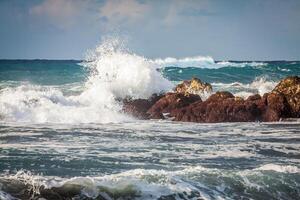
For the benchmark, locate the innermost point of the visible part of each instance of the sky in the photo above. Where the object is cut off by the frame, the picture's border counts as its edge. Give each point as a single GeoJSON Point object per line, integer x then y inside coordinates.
{"type": "Point", "coordinates": [222, 29]}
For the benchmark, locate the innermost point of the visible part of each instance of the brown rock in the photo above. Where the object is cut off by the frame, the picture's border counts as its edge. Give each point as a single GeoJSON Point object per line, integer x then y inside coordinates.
{"type": "Point", "coordinates": [139, 107]}
{"type": "Point", "coordinates": [282, 102]}
{"type": "Point", "coordinates": [193, 86]}
{"type": "Point", "coordinates": [220, 96]}
{"type": "Point", "coordinates": [260, 102]}
{"type": "Point", "coordinates": [171, 101]}
{"type": "Point", "coordinates": [254, 97]}
{"type": "Point", "coordinates": [219, 107]}
{"type": "Point", "coordinates": [277, 107]}
{"type": "Point", "coordinates": [290, 89]}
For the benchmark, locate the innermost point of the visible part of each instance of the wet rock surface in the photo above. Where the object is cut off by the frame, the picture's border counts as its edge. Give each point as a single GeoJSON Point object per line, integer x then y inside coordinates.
{"type": "Point", "coordinates": [193, 86]}
{"type": "Point", "coordinates": [170, 102]}
{"type": "Point", "coordinates": [139, 107]}
{"type": "Point", "coordinates": [290, 89]}
{"type": "Point", "coordinates": [182, 105]}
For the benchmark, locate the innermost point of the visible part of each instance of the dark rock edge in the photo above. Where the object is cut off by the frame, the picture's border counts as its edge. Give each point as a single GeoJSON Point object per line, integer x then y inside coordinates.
{"type": "Point", "coordinates": [282, 102]}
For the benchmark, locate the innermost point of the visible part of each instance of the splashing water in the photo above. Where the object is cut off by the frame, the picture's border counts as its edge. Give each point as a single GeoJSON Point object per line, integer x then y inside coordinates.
{"type": "Point", "coordinates": [114, 74]}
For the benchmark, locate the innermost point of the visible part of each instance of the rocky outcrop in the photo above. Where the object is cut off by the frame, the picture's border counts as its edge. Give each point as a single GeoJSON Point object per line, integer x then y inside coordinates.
{"type": "Point", "coordinates": [282, 102]}
{"type": "Point", "coordinates": [171, 101]}
{"type": "Point", "coordinates": [139, 107]}
{"type": "Point", "coordinates": [290, 89]}
{"type": "Point", "coordinates": [193, 86]}
{"type": "Point", "coordinates": [276, 107]}
{"type": "Point", "coordinates": [220, 107]}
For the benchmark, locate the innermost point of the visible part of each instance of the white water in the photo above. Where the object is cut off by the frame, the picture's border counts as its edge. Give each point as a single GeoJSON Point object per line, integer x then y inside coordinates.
{"type": "Point", "coordinates": [260, 85]}
{"type": "Point", "coordinates": [202, 62]}
{"type": "Point", "coordinates": [152, 184]}
{"type": "Point", "coordinates": [115, 74]}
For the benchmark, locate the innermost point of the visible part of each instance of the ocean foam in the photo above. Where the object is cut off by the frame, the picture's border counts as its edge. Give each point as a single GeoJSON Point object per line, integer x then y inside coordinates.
{"type": "Point", "coordinates": [259, 85]}
{"type": "Point", "coordinates": [207, 183]}
{"type": "Point", "coordinates": [115, 74]}
{"type": "Point", "coordinates": [202, 62]}
{"type": "Point", "coordinates": [279, 168]}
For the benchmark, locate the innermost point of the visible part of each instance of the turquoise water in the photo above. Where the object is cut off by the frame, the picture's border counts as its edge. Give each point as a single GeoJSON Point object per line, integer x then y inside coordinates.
{"type": "Point", "coordinates": [61, 127]}
{"type": "Point", "coordinates": [52, 72]}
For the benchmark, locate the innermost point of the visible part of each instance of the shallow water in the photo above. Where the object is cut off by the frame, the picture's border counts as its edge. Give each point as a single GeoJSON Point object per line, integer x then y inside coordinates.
{"type": "Point", "coordinates": [155, 159]}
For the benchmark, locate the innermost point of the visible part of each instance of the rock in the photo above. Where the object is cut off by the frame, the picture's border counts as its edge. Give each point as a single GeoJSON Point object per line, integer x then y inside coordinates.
{"type": "Point", "coordinates": [290, 89]}
{"type": "Point", "coordinates": [139, 107]}
{"type": "Point", "coordinates": [171, 101]}
{"type": "Point", "coordinates": [219, 107]}
{"type": "Point", "coordinates": [277, 107]}
{"type": "Point", "coordinates": [193, 86]}
{"type": "Point", "coordinates": [186, 105]}
{"type": "Point", "coordinates": [220, 96]}
{"type": "Point", "coordinates": [254, 97]}
{"type": "Point", "coordinates": [259, 101]}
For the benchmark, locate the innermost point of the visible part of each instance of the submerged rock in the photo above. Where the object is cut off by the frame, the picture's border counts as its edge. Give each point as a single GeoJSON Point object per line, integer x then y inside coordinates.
{"type": "Point", "coordinates": [193, 86]}
{"type": "Point", "coordinates": [18, 189]}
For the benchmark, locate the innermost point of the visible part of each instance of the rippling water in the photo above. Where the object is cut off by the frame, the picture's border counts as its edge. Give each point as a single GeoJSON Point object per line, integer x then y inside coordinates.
{"type": "Point", "coordinates": [156, 159]}
{"type": "Point", "coordinates": [63, 134]}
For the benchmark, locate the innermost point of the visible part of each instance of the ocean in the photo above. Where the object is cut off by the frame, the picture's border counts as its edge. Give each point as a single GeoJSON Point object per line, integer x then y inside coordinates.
{"type": "Point", "coordinates": [63, 135]}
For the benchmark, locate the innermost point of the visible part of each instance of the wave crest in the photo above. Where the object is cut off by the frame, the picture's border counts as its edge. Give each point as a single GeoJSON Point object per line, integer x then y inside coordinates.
{"type": "Point", "coordinates": [188, 183]}
{"type": "Point", "coordinates": [114, 74]}
{"type": "Point", "coordinates": [202, 62]}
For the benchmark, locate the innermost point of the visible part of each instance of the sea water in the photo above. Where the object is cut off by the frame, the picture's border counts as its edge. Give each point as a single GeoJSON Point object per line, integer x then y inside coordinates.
{"type": "Point", "coordinates": [61, 126]}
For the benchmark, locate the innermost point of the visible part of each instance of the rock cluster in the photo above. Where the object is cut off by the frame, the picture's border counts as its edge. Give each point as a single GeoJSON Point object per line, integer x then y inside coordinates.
{"type": "Point", "coordinates": [185, 104]}
{"type": "Point", "coordinates": [194, 86]}
{"type": "Point", "coordinates": [290, 89]}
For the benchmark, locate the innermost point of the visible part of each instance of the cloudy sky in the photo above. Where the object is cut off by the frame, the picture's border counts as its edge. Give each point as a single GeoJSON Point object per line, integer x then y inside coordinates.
{"type": "Point", "coordinates": [223, 29]}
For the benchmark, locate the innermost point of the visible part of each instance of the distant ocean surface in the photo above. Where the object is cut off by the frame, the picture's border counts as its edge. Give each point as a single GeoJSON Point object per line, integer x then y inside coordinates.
{"type": "Point", "coordinates": [61, 127]}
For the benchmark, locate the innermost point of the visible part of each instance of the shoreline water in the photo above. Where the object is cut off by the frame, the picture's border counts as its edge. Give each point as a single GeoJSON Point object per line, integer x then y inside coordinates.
{"type": "Point", "coordinates": [62, 124]}
{"type": "Point", "coordinates": [150, 159]}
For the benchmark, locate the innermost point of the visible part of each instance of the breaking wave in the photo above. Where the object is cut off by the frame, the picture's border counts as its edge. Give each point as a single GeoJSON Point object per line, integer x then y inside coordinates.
{"type": "Point", "coordinates": [189, 183]}
{"type": "Point", "coordinates": [114, 73]}
{"type": "Point", "coordinates": [260, 85]}
{"type": "Point", "coordinates": [202, 62]}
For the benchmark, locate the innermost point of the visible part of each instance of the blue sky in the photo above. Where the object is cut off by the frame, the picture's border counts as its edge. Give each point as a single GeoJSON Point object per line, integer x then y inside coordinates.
{"type": "Point", "coordinates": [223, 29]}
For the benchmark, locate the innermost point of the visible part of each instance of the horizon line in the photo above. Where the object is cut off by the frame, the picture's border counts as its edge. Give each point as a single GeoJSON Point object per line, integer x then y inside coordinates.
{"type": "Point", "coordinates": [72, 59]}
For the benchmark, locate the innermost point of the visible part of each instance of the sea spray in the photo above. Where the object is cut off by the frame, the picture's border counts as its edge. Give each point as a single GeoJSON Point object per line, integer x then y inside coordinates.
{"type": "Point", "coordinates": [123, 73]}
{"type": "Point", "coordinates": [114, 74]}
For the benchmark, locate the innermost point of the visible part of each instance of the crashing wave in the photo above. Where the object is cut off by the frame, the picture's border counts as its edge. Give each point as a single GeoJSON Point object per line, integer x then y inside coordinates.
{"type": "Point", "coordinates": [189, 183]}
{"type": "Point", "coordinates": [202, 62]}
{"type": "Point", "coordinates": [114, 74]}
{"type": "Point", "coordinates": [280, 168]}
{"type": "Point", "coordinates": [259, 85]}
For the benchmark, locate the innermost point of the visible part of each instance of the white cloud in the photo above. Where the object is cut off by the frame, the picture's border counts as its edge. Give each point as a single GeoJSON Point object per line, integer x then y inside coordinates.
{"type": "Point", "coordinates": [66, 13]}
{"type": "Point", "coordinates": [62, 13]}
{"type": "Point", "coordinates": [116, 11]}
{"type": "Point", "coordinates": [176, 9]}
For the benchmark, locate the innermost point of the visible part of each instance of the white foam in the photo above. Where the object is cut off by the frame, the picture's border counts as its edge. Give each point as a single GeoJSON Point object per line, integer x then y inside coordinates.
{"type": "Point", "coordinates": [153, 184]}
{"type": "Point", "coordinates": [202, 62]}
{"type": "Point", "coordinates": [260, 85]}
{"type": "Point", "coordinates": [115, 74]}
{"type": "Point", "coordinates": [123, 73]}
{"type": "Point", "coordinates": [148, 184]}
{"type": "Point", "coordinates": [279, 168]}
{"type": "Point", "coordinates": [198, 61]}
{"type": "Point", "coordinates": [241, 64]}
